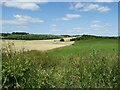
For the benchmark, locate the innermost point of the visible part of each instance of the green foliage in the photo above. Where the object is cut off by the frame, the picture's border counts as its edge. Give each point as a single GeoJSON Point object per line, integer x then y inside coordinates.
{"type": "Point", "coordinates": [31, 37]}
{"type": "Point", "coordinates": [86, 64]}
{"type": "Point", "coordinates": [62, 40]}
{"type": "Point", "coordinates": [87, 37]}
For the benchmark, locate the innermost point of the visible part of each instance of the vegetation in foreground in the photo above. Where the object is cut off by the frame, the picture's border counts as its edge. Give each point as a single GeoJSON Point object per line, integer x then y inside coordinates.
{"type": "Point", "coordinates": [91, 63]}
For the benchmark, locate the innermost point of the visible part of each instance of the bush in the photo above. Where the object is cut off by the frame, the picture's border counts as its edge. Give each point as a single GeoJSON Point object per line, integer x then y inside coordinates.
{"type": "Point", "coordinates": [36, 69]}
{"type": "Point", "coordinates": [62, 40]}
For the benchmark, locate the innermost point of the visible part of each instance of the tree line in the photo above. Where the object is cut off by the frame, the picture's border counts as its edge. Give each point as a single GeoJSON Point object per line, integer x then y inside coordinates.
{"type": "Point", "coordinates": [27, 36]}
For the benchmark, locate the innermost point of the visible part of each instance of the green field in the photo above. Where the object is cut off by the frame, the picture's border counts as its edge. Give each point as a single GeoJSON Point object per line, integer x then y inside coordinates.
{"type": "Point", "coordinates": [90, 63]}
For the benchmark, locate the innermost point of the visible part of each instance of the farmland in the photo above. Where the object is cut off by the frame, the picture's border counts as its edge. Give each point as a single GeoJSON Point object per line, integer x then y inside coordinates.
{"type": "Point", "coordinates": [84, 64]}
{"type": "Point", "coordinates": [41, 45]}
{"type": "Point", "coordinates": [70, 44]}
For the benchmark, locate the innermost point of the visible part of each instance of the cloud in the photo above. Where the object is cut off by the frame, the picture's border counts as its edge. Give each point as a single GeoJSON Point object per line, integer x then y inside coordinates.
{"type": "Point", "coordinates": [55, 30]}
{"type": "Point", "coordinates": [98, 25]}
{"type": "Point", "coordinates": [89, 7]}
{"type": "Point", "coordinates": [20, 5]}
{"type": "Point", "coordinates": [24, 0]}
{"type": "Point", "coordinates": [104, 9]}
{"type": "Point", "coordinates": [71, 16]}
{"type": "Point", "coordinates": [22, 20]}
{"type": "Point", "coordinates": [95, 27]}
{"type": "Point", "coordinates": [103, 0]}
{"type": "Point", "coordinates": [53, 25]}
{"type": "Point", "coordinates": [95, 21]}
{"type": "Point", "coordinates": [24, 4]}
{"type": "Point", "coordinates": [34, 5]}
{"type": "Point", "coordinates": [101, 28]}
{"type": "Point", "coordinates": [78, 28]}
{"type": "Point", "coordinates": [62, 0]}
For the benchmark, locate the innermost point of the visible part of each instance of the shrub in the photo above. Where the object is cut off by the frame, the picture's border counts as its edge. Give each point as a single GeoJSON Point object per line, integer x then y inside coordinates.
{"type": "Point", "coordinates": [62, 40]}
{"type": "Point", "coordinates": [36, 69]}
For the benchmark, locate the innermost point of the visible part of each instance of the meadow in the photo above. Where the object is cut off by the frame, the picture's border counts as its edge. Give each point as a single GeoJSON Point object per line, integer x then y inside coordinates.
{"type": "Point", "coordinates": [88, 63]}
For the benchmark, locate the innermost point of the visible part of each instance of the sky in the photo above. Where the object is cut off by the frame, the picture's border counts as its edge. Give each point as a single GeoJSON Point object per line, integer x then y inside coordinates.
{"type": "Point", "coordinates": [73, 18]}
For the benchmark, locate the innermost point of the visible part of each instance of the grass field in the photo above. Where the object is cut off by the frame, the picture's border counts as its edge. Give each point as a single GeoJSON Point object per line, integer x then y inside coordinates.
{"type": "Point", "coordinates": [91, 63]}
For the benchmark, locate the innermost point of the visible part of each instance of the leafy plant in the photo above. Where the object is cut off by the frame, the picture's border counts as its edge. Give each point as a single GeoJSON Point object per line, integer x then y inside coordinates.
{"type": "Point", "coordinates": [86, 64]}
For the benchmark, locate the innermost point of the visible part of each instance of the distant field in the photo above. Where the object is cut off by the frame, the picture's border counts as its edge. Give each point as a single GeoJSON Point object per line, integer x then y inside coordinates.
{"type": "Point", "coordinates": [89, 63]}
{"type": "Point", "coordinates": [41, 45]}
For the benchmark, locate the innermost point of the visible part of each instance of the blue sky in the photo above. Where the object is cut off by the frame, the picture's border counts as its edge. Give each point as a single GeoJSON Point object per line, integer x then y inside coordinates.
{"type": "Point", "coordinates": [61, 18]}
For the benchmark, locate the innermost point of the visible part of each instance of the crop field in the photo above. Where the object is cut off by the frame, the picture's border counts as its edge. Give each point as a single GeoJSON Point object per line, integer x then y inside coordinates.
{"type": "Point", "coordinates": [41, 45]}
{"type": "Point", "coordinates": [90, 63]}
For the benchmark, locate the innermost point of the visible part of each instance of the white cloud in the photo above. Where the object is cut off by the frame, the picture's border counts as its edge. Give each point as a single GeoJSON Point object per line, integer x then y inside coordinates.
{"type": "Point", "coordinates": [62, 0]}
{"type": "Point", "coordinates": [55, 30]}
{"type": "Point", "coordinates": [100, 26]}
{"type": "Point", "coordinates": [24, 0]}
{"type": "Point", "coordinates": [104, 9]}
{"type": "Point", "coordinates": [103, 0]}
{"type": "Point", "coordinates": [34, 5]}
{"type": "Point", "coordinates": [71, 16]}
{"type": "Point", "coordinates": [89, 7]}
{"type": "Point", "coordinates": [95, 27]}
{"type": "Point", "coordinates": [53, 25]}
{"type": "Point", "coordinates": [22, 20]}
{"type": "Point", "coordinates": [95, 21]}
{"type": "Point", "coordinates": [21, 5]}
{"type": "Point", "coordinates": [24, 4]}
{"type": "Point", "coordinates": [78, 28]}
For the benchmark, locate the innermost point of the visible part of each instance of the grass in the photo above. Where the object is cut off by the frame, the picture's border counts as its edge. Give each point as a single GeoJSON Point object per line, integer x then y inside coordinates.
{"type": "Point", "coordinates": [86, 64]}
{"type": "Point", "coordinates": [87, 46]}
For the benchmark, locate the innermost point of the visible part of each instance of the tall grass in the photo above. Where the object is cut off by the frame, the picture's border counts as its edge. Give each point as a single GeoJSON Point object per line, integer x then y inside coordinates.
{"type": "Point", "coordinates": [36, 69]}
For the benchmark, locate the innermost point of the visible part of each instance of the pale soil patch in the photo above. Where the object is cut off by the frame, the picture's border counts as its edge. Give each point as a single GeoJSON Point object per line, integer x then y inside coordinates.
{"type": "Point", "coordinates": [42, 45]}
